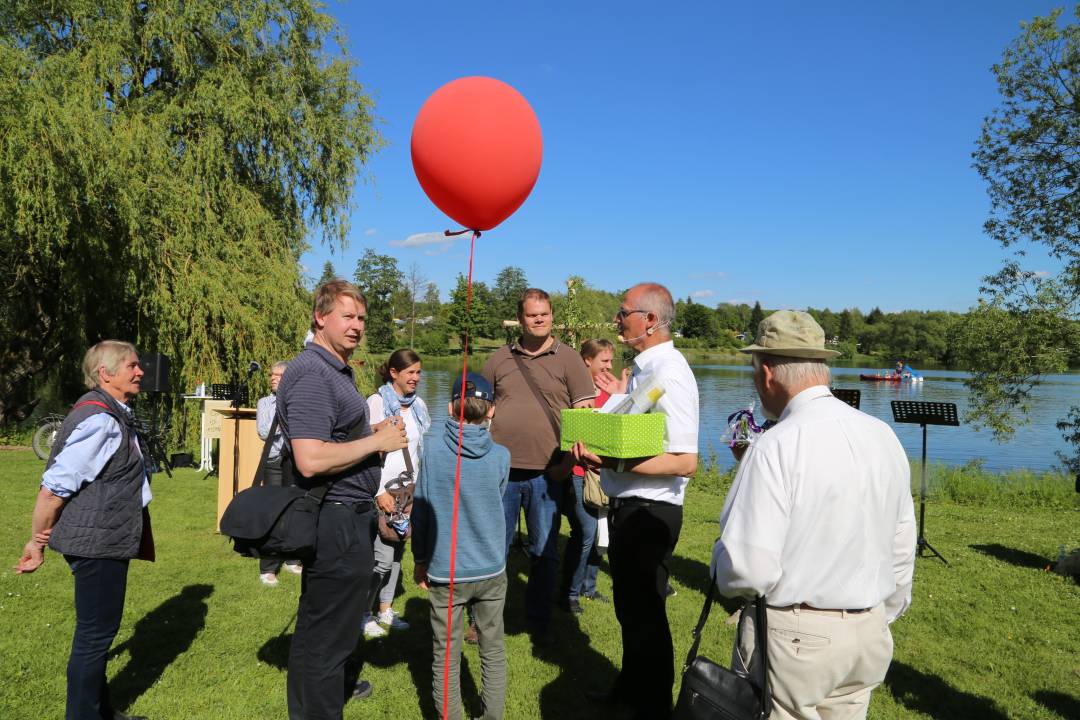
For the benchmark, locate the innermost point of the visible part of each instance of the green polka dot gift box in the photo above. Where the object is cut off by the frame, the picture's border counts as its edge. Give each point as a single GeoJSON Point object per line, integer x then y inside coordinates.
{"type": "Point", "coordinates": [610, 435]}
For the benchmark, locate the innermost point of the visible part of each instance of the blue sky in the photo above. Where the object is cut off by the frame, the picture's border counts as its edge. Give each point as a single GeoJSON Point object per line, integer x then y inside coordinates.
{"type": "Point", "coordinates": [799, 154]}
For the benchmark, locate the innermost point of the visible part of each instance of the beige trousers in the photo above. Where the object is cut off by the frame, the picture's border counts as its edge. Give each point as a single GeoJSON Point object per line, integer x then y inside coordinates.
{"type": "Point", "coordinates": [823, 665]}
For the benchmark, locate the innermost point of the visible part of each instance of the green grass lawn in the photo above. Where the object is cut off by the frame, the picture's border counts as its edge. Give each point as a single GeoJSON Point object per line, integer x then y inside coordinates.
{"type": "Point", "coordinates": [993, 635]}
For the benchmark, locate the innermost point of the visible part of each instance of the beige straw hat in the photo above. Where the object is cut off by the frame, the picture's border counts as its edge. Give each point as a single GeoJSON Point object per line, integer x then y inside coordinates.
{"type": "Point", "coordinates": [789, 333]}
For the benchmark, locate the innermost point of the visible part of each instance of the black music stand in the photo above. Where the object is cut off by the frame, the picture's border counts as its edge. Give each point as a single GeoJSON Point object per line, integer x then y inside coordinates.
{"type": "Point", "coordinates": [851, 397]}
{"type": "Point", "coordinates": [925, 413]}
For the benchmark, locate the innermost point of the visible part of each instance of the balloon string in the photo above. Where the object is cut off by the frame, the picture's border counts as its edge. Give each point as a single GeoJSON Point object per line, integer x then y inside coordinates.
{"type": "Point", "coordinates": [457, 479]}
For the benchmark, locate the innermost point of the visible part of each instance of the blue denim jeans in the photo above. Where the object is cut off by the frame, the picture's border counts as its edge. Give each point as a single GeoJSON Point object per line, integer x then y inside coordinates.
{"type": "Point", "coordinates": [541, 499]}
{"type": "Point", "coordinates": [582, 562]}
{"type": "Point", "coordinates": [100, 588]}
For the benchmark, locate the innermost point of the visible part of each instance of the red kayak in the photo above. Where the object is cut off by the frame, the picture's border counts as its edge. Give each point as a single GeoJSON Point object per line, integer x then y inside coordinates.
{"type": "Point", "coordinates": [882, 378]}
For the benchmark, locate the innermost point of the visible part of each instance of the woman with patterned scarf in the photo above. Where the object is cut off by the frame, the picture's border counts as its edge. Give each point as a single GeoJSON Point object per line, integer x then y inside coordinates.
{"type": "Point", "coordinates": [396, 398]}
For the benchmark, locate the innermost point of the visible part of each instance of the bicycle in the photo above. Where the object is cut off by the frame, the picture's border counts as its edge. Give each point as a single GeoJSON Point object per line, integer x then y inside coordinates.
{"type": "Point", "coordinates": [45, 435]}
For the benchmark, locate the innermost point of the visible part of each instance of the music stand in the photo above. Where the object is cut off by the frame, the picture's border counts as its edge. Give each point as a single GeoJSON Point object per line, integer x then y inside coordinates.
{"type": "Point", "coordinates": [851, 397]}
{"type": "Point", "coordinates": [925, 413]}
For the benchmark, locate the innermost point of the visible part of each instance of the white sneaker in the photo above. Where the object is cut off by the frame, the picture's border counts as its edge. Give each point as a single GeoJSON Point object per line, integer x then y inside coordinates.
{"type": "Point", "coordinates": [392, 620]}
{"type": "Point", "coordinates": [268, 579]}
{"type": "Point", "coordinates": [296, 569]}
{"type": "Point", "coordinates": [372, 629]}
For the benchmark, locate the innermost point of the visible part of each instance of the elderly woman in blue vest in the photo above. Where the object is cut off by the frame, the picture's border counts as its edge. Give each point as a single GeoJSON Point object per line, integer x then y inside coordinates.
{"type": "Point", "coordinates": [92, 509]}
{"type": "Point", "coordinates": [396, 397]}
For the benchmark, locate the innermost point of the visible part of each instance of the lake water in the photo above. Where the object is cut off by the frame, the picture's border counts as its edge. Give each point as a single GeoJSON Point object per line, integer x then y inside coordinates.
{"type": "Point", "coordinates": [724, 389]}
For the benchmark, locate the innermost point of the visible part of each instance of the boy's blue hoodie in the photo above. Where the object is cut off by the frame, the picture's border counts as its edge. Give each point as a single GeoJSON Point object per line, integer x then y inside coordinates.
{"type": "Point", "coordinates": [481, 539]}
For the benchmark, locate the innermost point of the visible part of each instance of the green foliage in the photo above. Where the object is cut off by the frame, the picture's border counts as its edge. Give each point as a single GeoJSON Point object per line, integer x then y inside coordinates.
{"type": "Point", "coordinates": [161, 167]}
{"type": "Point", "coordinates": [697, 321]}
{"type": "Point", "coordinates": [510, 283]}
{"type": "Point", "coordinates": [378, 278]}
{"type": "Point", "coordinates": [470, 317]}
{"type": "Point", "coordinates": [1070, 426]}
{"type": "Point", "coordinates": [328, 273]}
{"type": "Point", "coordinates": [756, 316]}
{"type": "Point", "coordinates": [1027, 153]}
{"type": "Point", "coordinates": [1007, 350]}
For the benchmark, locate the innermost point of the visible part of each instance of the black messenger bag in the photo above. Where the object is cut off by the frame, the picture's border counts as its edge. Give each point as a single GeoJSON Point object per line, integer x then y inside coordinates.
{"type": "Point", "coordinates": [712, 692]}
{"type": "Point", "coordinates": [274, 521]}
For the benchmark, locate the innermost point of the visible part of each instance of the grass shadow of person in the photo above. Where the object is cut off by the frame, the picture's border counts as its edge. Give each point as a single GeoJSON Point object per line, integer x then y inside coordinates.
{"type": "Point", "coordinates": [275, 651]}
{"type": "Point", "coordinates": [1020, 558]}
{"type": "Point", "coordinates": [159, 637]}
{"type": "Point", "coordinates": [694, 574]}
{"type": "Point", "coordinates": [1064, 705]}
{"type": "Point", "coordinates": [933, 696]}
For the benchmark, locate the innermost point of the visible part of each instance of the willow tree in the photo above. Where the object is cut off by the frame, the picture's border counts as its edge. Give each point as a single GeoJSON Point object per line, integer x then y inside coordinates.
{"type": "Point", "coordinates": [162, 168]}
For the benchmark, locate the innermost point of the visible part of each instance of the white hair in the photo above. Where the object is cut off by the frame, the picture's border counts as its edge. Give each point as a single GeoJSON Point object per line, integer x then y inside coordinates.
{"type": "Point", "coordinates": [791, 372]}
{"type": "Point", "coordinates": [108, 354]}
{"type": "Point", "coordinates": [656, 299]}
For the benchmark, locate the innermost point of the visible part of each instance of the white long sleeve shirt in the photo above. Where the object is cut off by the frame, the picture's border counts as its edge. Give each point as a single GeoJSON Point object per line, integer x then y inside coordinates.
{"type": "Point", "coordinates": [820, 512]}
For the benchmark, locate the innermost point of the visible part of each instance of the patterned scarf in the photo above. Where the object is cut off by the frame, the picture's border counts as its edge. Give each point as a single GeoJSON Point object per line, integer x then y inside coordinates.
{"type": "Point", "coordinates": [392, 404]}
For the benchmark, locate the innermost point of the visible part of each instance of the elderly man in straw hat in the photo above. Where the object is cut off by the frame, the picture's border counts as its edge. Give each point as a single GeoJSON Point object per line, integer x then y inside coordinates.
{"type": "Point", "coordinates": [821, 523]}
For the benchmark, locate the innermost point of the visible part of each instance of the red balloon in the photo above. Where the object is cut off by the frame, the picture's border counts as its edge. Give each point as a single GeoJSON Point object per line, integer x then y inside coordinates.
{"type": "Point", "coordinates": [476, 150]}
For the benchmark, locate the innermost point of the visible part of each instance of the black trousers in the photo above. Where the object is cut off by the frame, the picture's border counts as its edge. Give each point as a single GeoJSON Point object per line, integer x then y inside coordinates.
{"type": "Point", "coordinates": [643, 537]}
{"type": "Point", "coordinates": [100, 589]}
{"type": "Point", "coordinates": [333, 589]}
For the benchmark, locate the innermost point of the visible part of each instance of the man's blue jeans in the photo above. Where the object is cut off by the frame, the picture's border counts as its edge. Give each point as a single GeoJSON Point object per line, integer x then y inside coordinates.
{"type": "Point", "coordinates": [541, 499]}
{"type": "Point", "coordinates": [582, 562]}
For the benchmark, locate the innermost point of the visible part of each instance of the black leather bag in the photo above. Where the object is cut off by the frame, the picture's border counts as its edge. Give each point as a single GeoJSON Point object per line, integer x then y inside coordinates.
{"type": "Point", "coordinates": [713, 692]}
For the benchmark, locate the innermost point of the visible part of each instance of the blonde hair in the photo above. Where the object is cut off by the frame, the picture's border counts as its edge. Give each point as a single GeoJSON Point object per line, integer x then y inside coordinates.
{"type": "Point", "coordinates": [107, 354]}
{"type": "Point", "coordinates": [327, 294]}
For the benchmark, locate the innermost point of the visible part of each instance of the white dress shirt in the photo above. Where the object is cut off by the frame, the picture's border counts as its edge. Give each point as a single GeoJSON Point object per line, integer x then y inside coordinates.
{"type": "Point", "coordinates": [820, 512]}
{"type": "Point", "coordinates": [665, 366]}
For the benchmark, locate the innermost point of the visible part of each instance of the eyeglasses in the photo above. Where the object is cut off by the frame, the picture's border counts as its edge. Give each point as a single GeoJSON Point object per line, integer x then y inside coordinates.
{"type": "Point", "coordinates": [623, 314]}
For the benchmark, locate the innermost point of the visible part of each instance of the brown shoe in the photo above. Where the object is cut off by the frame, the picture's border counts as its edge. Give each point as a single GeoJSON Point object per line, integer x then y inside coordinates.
{"type": "Point", "coordinates": [470, 634]}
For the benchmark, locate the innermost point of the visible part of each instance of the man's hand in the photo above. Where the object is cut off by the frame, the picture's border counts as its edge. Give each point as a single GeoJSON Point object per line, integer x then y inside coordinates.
{"type": "Point", "coordinates": [586, 459]}
{"type": "Point", "coordinates": [385, 502]}
{"type": "Point", "coordinates": [390, 434]}
{"type": "Point", "coordinates": [33, 556]}
{"type": "Point", "coordinates": [611, 384]}
{"type": "Point", "coordinates": [419, 575]}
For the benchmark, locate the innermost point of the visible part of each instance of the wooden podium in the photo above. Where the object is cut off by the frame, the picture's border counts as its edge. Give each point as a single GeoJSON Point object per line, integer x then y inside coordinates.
{"type": "Point", "coordinates": [251, 446]}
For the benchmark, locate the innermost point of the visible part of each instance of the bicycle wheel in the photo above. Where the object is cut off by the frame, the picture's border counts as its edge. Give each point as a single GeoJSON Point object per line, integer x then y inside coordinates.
{"type": "Point", "coordinates": [44, 437]}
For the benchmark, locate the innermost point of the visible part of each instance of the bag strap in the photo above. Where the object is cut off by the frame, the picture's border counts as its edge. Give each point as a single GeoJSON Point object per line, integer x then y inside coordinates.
{"type": "Point", "coordinates": [761, 642]}
{"type": "Point", "coordinates": [761, 636]}
{"type": "Point", "coordinates": [548, 412]}
{"type": "Point", "coordinates": [701, 624]}
{"type": "Point", "coordinates": [408, 463]}
{"type": "Point", "coordinates": [260, 478]}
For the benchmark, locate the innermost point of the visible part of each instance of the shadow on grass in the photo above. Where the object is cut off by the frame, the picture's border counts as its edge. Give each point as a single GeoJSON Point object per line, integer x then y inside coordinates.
{"type": "Point", "coordinates": [275, 651]}
{"type": "Point", "coordinates": [162, 635]}
{"type": "Point", "coordinates": [1064, 705]}
{"type": "Point", "coordinates": [1020, 558]}
{"type": "Point", "coordinates": [933, 696]}
{"type": "Point", "coordinates": [691, 573]}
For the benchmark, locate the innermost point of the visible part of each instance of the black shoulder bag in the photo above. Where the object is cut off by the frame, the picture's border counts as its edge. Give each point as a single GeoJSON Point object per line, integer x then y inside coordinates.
{"type": "Point", "coordinates": [558, 470]}
{"type": "Point", "coordinates": [273, 520]}
{"type": "Point", "coordinates": [712, 692]}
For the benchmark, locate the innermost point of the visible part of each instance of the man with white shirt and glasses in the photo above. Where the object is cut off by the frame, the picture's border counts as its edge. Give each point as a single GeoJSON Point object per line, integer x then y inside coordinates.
{"type": "Point", "coordinates": [819, 521]}
{"type": "Point", "coordinates": [92, 508]}
{"type": "Point", "coordinates": [645, 515]}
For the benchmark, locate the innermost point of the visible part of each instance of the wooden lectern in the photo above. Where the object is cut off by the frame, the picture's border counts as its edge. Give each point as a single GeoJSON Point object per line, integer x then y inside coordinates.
{"type": "Point", "coordinates": [251, 446]}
